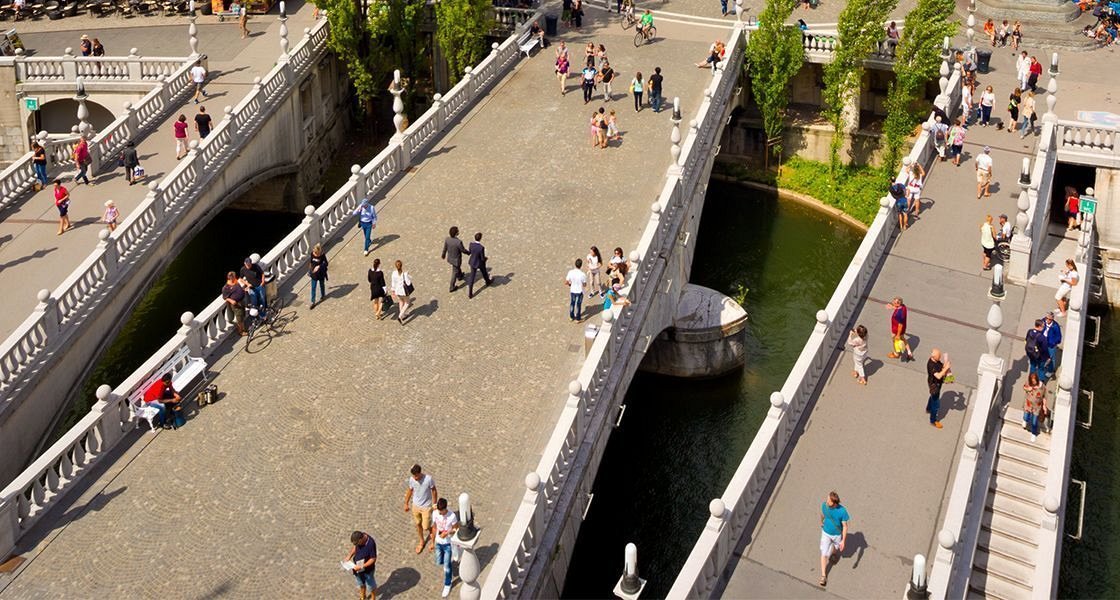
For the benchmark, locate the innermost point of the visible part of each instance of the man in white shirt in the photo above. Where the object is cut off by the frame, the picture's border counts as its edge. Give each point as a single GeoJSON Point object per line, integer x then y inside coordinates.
{"type": "Point", "coordinates": [1004, 229]}
{"type": "Point", "coordinates": [984, 173]}
{"type": "Point", "coordinates": [575, 280]}
{"type": "Point", "coordinates": [444, 523]}
{"type": "Point", "coordinates": [1023, 70]}
{"type": "Point", "coordinates": [198, 76]}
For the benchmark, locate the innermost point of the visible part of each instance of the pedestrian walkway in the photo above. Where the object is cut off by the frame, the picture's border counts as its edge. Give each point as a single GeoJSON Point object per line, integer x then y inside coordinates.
{"type": "Point", "coordinates": [32, 255]}
{"type": "Point", "coordinates": [314, 434]}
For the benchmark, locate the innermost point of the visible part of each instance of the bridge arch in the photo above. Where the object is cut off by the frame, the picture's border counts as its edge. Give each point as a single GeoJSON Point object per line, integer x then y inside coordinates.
{"type": "Point", "coordinates": [59, 116]}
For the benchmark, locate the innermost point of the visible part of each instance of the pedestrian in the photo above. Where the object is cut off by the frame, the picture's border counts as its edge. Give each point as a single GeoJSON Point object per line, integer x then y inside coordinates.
{"type": "Point", "coordinates": [376, 280]}
{"type": "Point", "coordinates": [901, 205]}
{"type": "Point", "coordinates": [1022, 70]}
{"type": "Point", "coordinates": [940, 133]}
{"type": "Point", "coordinates": [82, 159]}
{"type": "Point", "coordinates": [562, 50]}
{"type": "Point", "coordinates": [1003, 234]}
{"type": "Point", "coordinates": [1073, 209]}
{"type": "Point", "coordinates": [987, 101]}
{"type": "Point", "coordinates": [1053, 333]}
{"type": "Point", "coordinates": [62, 203]}
{"type": "Point", "coordinates": [253, 276]}
{"type": "Point", "coordinates": [916, 175]}
{"type": "Point", "coordinates": [111, 216]}
{"type": "Point", "coordinates": [937, 370]}
{"type": "Point", "coordinates": [317, 266]}
{"type": "Point", "coordinates": [444, 523]}
{"type": "Point", "coordinates": [1035, 70]}
{"type": "Point", "coordinates": [984, 173]}
{"type": "Point", "coordinates": [612, 127]}
{"type": "Point", "coordinates": [857, 339]}
{"type": "Point", "coordinates": [589, 54]}
{"type": "Point", "coordinates": [601, 57]}
{"type": "Point", "coordinates": [1037, 350]}
{"type": "Point", "coordinates": [956, 140]}
{"type": "Point", "coordinates": [1026, 115]}
{"type": "Point", "coordinates": [39, 165]}
{"type": "Point", "coordinates": [636, 87]}
{"type": "Point", "coordinates": [566, 12]}
{"type": "Point", "coordinates": [420, 497]}
{"type": "Point", "coordinates": [243, 20]}
{"type": "Point", "coordinates": [367, 220]}
{"type": "Point", "coordinates": [655, 83]}
{"type": "Point", "coordinates": [588, 80]}
{"type": "Point", "coordinates": [614, 296]}
{"type": "Point", "coordinates": [363, 556]}
{"type": "Point", "coordinates": [834, 533]}
{"type": "Point", "coordinates": [594, 266]}
{"type": "Point", "coordinates": [1034, 404]}
{"type": "Point", "coordinates": [1066, 282]}
{"type": "Point", "coordinates": [401, 289]}
{"type": "Point", "coordinates": [577, 13]}
{"type": "Point", "coordinates": [198, 76]}
{"type": "Point", "coordinates": [453, 252]}
{"type": "Point", "coordinates": [202, 123]}
{"type": "Point", "coordinates": [575, 280]}
{"type": "Point", "coordinates": [899, 316]}
{"type": "Point", "coordinates": [1013, 102]}
{"type": "Point", "coordinates": [606, 76]}
{"type": "Point", "coordinates": [180, 127]}
{"type": "Point", "coordinates": [966, 101]}
{"type": "Point", "coordinates": [234, 295]}
{"type": "Point", "coordinates": [601, 134]}
{"type": "Point", "coordinates": [477, 262]}
{"type": "Point", "coordinates": [96, 49]}
{"type": "Point", "coordinates": [85, 45]}
{"type": "Point", "coordinates": [130, 160]}
{"type": "Point", "coordinates": [594, 130]}
{"type": "Point", "coordinates": [562, 70]}
{"type": "Point", "coordinates": [987, 242]}
{"type": "Point", "coordinates": [723, 8]}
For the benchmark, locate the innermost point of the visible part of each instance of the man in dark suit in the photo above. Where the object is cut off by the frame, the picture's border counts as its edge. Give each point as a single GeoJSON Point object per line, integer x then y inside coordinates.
{"type": "Point", "coordinates": [477, 261]}
{"type": "Point", "coordinates": [453, 252]}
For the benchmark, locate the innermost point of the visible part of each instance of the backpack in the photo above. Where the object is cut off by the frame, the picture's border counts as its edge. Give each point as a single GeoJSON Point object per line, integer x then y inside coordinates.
{"type": "Point", "coordinates": [1034, 339]}
{"type": "Point", "coordinates": [897, 191]}
{"type": "Point", "coordinates": [939, 134]}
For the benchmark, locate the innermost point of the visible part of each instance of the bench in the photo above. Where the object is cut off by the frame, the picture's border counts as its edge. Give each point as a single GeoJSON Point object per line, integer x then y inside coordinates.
{"type": "Point", "coordinates": [183, 380]}
{"type": "Point", "coordinates": [526, 41]}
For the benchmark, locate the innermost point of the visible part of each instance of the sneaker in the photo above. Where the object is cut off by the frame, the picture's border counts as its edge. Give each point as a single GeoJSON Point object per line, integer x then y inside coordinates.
{"type": "Point", "coordinates": [937, 424]}
{"type": "Point", "coordinates": [446, 591]}
{"type": "Point", "coordinates": [1034, 438]}
{"type": "Point", "coordinates": [367, 253]}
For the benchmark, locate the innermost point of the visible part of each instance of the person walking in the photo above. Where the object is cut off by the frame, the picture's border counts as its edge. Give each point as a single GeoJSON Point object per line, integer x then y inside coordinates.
{"type": "Point", "coordinates": [940, 137]}
{"type": "Point", "coordinates": [967, 91]}
{"type": "Point", "coordinates": [1034, 404]}
{"type": "Point", "coordinates": [111, 216]}
{"type": "Point", "coordinates": [82, 159]}
{"type": "Point", "coordinates": [987, 102]}
{"type": "Point", "coordinates": [606, 76]}
{"type": "Point", "coordinates": [363, 554]}
{"type": "Point", "coordinates": [453, 252]}
{"type": "Point", "coordinates": [1053, 333]}
{"type": "Point", "coordinates": [577, 13]}
{"type": "Point", "coordinates": [62, 203]}
{"type": "Point", "coordinates": [1035, 71]}
{"type": "Point", "coordinates": [419, 498]}
{"type": "Point", "coordinates": [130, 160]}
{"type": "Point", "coordinates": [901, 205]}
{"type": "Point", "coordinates": [984, 173]}
{"type": "Point", "coordinates": [834, 533]}
{"type": "Point", "coordinates": [233, 293]}
{"type": "Point", "coordinates": [655, 85]}
{"type": "Point", "coordinates": [857, 339]}
{"type": "Point", "coordinates": [180, 127]}
{"type": "Point", "coordinates": [444, 523]}
{"type": "Point", "coordinates": [1013, 102]}
{"type": "Point", "coordinates": [1073, 208]}
{"type": "Point", "coordinates": [477, 262]}
{"type": "Point", "coordinates": [575, 280]}
{"type": "Point", "coordinates": [588, 80]}
{"type": "Point", "coordinates": [202, 122]}
{"type": "Point", "coordinates": [85, 46]}
{"type": "Point", "coordinates": [956, 140]}
{"type": "Point", "coordinates": [594, 267]}
{"type": "Point", "coordinates": [1022, 70]}
{"type": "Point", "coordinates": [39, 165]}
{"type": "Point", "coordinates": [937, 368]}
{"type": "Point", "coordinates": [376, 280]}
{"type": "Point", "coordinates": [1037, 349]}
{"type": "Point", "coordinates": [367, 220]}
{"type": "Point", "coordinates": [899, 315]}
{"type": "Point", "coordinates": [987, 242]}
{"type": "Point", "coordinates": [243, 20]}
{"type": "Point", "coordinates": [1026, 115]}
{"type": "Point", "coordinates": [613, 132]}
{"type": "Point", "coordinates": [401, 289]}
{"type": "Point", "coordinates": [636, 87]}
{"type": "Point", "coordinates": [1067, 280]}
{"type": "Point", "coordinates": [317, 266]}
{"type": "Point", "coordinates": [198, 76]}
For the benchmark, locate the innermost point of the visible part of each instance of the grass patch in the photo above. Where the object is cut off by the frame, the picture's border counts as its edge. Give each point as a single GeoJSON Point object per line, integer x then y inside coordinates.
{"type": "Point", "coordinates": [859, 188]}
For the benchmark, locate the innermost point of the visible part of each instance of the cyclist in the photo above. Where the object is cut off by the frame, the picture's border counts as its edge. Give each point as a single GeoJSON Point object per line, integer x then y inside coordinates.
{"type": "Point", "coordinates": [627, 10]}
{"type": "Point", "coordinates": [646, 23]}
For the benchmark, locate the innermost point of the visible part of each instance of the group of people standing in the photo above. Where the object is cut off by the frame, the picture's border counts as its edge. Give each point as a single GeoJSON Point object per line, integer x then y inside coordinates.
{"type": "Point", "coordinates": [606, 279]}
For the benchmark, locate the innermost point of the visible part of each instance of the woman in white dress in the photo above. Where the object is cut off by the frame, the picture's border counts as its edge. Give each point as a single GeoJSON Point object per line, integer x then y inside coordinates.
{"type": "Point", "coordinates": [401, 288]}
{"type": "Point", "coordinates": [857, 339]}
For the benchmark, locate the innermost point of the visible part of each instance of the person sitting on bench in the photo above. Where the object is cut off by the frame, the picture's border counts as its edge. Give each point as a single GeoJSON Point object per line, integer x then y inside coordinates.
{"type": "Point", "coordinates": [165, 399]}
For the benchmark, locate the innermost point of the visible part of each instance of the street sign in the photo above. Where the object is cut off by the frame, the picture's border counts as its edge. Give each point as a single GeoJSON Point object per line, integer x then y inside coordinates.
{"type": "Point", "coordinates": [1088, 205]}
{"type": "Point", "coordinates": [31, 103]}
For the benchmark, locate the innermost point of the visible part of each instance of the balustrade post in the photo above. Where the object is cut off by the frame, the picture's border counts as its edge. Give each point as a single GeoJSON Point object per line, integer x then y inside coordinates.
{"type": "Point", "coordinates": [675, 168]}
{"type": "Point", "coordinates": [630, 586]}
{"type": "Point", "coordinates": [778, 405]}
{"type": "Point", "coordinates": [9, 524]}
{"type": "Point", "coordinates": [48, 309]}
{"type": "Point", "coordinates": [404, 151]}
{"type": "Point", "coordinates": [718, 513]}
{"type": "Point", "coordinates": [437, 111]}
{"type": "Point", "coordinates": [468, 86]}
{"type": "Point", "coordinates": [605, 330]}
{"type": "Point", "coordinates": [135, 72]}
{"type": "Point", "coordinates": [164, 93]}
{"type": "Point", "coordinates": [159, 206]}
{"type": "Point", "coordinates": [467, 539]}
{"type": "Point", "coordinates": [990, 362]}
{"type": "Point", "coordinates": [361, 187]}
{"type": "Point", "coordinates": [69, 65]}
{"type": "Point", "coordinates": [191, 329]}
{"type": "Point", "coordinates": [110, 430]}
{"type": "Point", "coordinates": [1020, 265]}
{"type": "Point", "coordinates": [314, 233]}
{"type": "Point", "coordinates": [533, 498]}
{"type": "Point", "coordinates": [108, 245]}
{"type": "Point", "coordinates": [20, 65]}
{"type": "Point", "coordinates": [947, 540]}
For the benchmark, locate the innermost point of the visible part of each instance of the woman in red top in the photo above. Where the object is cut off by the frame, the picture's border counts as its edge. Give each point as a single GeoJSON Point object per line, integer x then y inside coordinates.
{"type": "Point", "coordinates": [82, 159]}
{"type": "Point", "coordinates": [1073, 208]}
{"type": "Point", "coordinates": [62, 203]}
{"type": "Point", "coordinates": [180, 137]}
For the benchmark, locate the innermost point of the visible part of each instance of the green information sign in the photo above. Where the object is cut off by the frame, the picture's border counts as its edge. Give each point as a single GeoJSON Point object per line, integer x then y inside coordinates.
{"type": "Point", "coordinates": [32, 104]}
{"type": "Point", "coordinates": [1088, 205]}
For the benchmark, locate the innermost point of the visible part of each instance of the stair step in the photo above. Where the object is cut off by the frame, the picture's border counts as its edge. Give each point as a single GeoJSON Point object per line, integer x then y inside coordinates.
{"type": "Point", "coordinates": [1010, 506]}
{"type": "Point", "coordinates": [1011, 571]}
{"type": "Point", "coordinates": [1026, 492]}
{"type": "Point", "coordinates": [986, 585]}
{"type": "Point", "coordinates": [1023, 455]}
{"type": "Point", "coordinates": [1022, 472]}
{"type": "Point", "coordinates": [1015, 529]}
{"type": "Point", "coordinates": [1023, 437]}
{"type": "Point", "coordinates": [1009, 548]}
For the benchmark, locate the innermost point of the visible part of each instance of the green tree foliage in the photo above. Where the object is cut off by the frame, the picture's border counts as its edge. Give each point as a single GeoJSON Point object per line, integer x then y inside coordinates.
{"type": "Point", "coordinates": [917, 59]}
{"type": "Point", "coordinates": [775, 54]}
{"type": "Point", "coordinates": [461, 28]}
{"type": "Point", "coordinates": [860, 29]}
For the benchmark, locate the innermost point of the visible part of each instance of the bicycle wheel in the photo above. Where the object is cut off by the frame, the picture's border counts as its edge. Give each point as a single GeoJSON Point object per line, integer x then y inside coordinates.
{"type": "Point", "coordinates": [639, 39]}
{"type": "Point", "coordinates": [652, 33]}
{"type": "Point", "coordinates": [627, 23]}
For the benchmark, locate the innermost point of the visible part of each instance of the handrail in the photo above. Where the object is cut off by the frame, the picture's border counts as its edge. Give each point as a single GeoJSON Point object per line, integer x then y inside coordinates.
{"type": "Point", "coordinates": [732, 513]}
{"type": "Point", "coordinates": [39, 487]}
{"type": "Point", "coordinates": [67, 68]}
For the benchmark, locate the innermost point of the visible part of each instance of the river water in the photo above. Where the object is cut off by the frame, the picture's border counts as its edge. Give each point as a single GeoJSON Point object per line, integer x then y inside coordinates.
{"type": "Point", "coordinates": [681, 440]}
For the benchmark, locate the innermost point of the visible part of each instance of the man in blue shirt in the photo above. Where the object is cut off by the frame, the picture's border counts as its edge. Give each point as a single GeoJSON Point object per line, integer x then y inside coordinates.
{"type": "Point", "coordinates": [1053, 333]}
{"type": "Point", "coordinates": [834, 532]}
{"type": "Point", "coordinates": [367, 220]}
{"type": "Point", "coordinates": [364, 555]}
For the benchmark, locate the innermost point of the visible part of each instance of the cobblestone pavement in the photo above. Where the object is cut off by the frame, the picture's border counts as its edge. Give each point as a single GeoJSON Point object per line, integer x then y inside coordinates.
{"type": "Point", "coordinates": [32, 255]}
{"type": "Point", "coordinates": [315, 432]}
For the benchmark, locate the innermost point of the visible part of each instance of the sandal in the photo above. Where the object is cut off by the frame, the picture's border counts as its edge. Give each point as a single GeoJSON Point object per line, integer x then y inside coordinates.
{"type": "Point", "coordinates": [420, 547]}
{"type": "Point", "coordinates": [823, 581]}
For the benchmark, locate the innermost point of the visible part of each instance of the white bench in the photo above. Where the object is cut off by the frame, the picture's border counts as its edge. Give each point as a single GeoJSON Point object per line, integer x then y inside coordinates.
{"type": "Point", "coordinates": [182, 380]}
{"type": "Point", "coordinates": [527, 41]}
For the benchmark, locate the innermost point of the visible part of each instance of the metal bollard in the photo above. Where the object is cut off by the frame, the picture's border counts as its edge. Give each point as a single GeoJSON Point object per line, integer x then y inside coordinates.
{"type": "Point", "coordinates": [917, 588]}
{"type": "Point", "coordinates": [630, 586]}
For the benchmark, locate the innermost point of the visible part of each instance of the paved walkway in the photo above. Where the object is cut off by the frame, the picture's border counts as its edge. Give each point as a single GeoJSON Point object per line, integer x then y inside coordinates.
{"type": "Point", "coordinates": [315, 433]}
{"type": "Point", "coordinates": [874, 444]}
{"type": "Point", "coordinates": [32, 255]}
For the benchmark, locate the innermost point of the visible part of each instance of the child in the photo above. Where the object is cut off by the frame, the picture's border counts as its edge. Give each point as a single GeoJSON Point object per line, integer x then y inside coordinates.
{"type": "Point", "coordinates": [112, 215]}
{"type": "Point", "coordinates": [612, 127]}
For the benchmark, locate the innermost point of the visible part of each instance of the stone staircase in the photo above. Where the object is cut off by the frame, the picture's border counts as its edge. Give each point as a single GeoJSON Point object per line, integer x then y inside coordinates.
{"type": "Point", "coordinates": [1004, 564]}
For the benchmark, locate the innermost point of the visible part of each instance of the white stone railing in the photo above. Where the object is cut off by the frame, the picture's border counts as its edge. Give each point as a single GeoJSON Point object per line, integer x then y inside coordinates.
{"type": "Point", "coordinates": [67, 68]}
{"type": "Point", "coordinates": [1087, 143]}
{"type": "Point", "coordinates": [552, 486]}
{"type": "Point", "coordinates": [820, 46]}
{"type": "Point", "coordinates": [62, 312]}
{"type": "Point", "coordinates": [511, 17]}
{"type": "Point", "coordinates": [40, 486]}
{"type": "Point", "coordinates": [733, 512]}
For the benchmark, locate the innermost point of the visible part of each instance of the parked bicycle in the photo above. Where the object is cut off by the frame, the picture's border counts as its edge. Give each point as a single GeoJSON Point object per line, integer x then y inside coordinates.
{"type": "Point", "coordinates": [262, 324]}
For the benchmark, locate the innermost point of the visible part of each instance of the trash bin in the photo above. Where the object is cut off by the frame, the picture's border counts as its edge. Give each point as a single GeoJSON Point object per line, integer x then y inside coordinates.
{"type": "Point", "coordinates": [550, 24]}
{"type": "Point", "coordinates": [983, 59]}
{"type": "Point", "coordinates": [589, 334]}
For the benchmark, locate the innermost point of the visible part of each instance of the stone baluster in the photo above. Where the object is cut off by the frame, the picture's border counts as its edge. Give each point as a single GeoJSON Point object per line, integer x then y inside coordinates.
{"type": "Point", "coordinates": [947, 540]}
{"type": "Point", "coordinates": [629, 586]}
{"type": "Point", "coordinates": [1052, 92]}
{"type": "Point", "coordinates": [132, 121]}
{"type": "Point", "coordinates": [283, 18]}
{"type": "Point", "coordinates": [135, 72]}
{"type": "Point", "coordinates": [9, 524]}
{"type": "Point", "coordinates": [971, 22]}
{"type": "Point", "coordinates": [314, 235]}
{"type": "Point", "coordinates": [191, 329]}
{"type": "Point", "coordinates": [533, 498]}
{"type": "Point", "coordinates": [47, 311]}
{"type": "Point", "coordinates": [192, 29]}
{"type": "Point", "coordinates": [69, 65]}
{"type": "Point", "coordinates": [437, 111]}
{"type": "Point", "coordinates": [575, 402]}
{"type": "Point", "coordinates": [990, 362]}
{"type": "Point", "coordinates": [396, 88]}
{"type": "Point", "coordinates": [675, 168]}
{"type": "Point", "coordinates": [108, 245]}
{"type": "Point", "coordinates": [85, 129]}
{"type": "Point", "coordinates": [159, 206]}
{"type": "Point", "coordinates": [942, 99]}
{"type": "Point", "coordinates": [110, 427]}
{"type": "Point", "coordinates": [360, 184]}
{"type": "Point", "coordinates": [468, 87]}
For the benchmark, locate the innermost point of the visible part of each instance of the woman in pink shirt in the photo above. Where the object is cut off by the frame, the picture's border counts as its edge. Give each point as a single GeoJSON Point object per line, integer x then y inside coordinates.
{"type": "Point", "coordinates": [62, 203]}
{"type": "Point", "coordinates": [180, 137]}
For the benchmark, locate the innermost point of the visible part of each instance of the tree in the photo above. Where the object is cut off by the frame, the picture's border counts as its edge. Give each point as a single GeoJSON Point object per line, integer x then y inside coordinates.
{"type": "Point", "coordinates": [917, 59]}
{"type": "Point", "coordinates": [775, 54]}
{"type": "Point", "coordinates": [461, 28]}
{"type": "Point", "coordinates": [860, 30]}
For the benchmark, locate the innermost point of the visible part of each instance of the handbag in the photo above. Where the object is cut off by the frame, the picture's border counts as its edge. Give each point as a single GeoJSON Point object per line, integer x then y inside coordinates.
{"type": "Point", "coordinates": [408, 289]}
{"type": "Point", "coordinates": [138, 171]}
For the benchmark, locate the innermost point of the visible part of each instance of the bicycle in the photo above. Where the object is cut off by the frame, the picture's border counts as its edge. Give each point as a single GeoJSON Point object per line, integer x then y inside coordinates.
{"type": "Point", "coordinates": [644, 35]}
{"type": "Point", "coordinates": [262, 323]}
{"type": "Point", "coordinates": [628, 20]}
